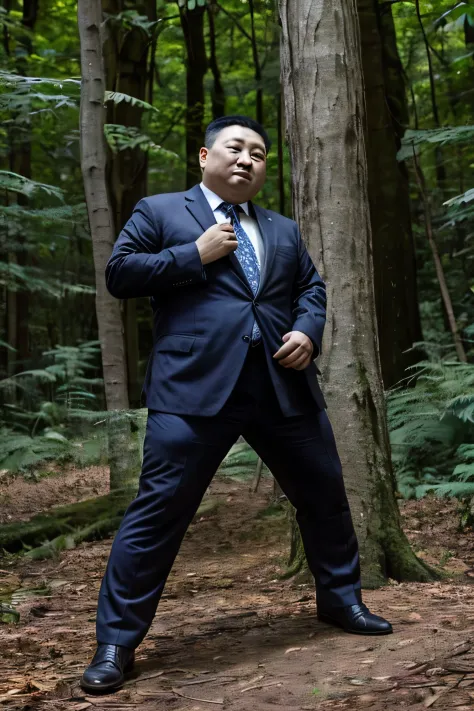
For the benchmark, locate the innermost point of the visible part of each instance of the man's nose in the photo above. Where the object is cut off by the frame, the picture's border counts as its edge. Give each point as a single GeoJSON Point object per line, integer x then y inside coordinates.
{"type": "Point", "coordinates": [244, 159]}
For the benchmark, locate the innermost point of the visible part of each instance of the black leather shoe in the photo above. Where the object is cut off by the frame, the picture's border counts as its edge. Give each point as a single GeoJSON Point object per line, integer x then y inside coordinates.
{"type": "Point", "coordinates": [356, 619]}
{"type": "Point", "coordinates": [106, 671]}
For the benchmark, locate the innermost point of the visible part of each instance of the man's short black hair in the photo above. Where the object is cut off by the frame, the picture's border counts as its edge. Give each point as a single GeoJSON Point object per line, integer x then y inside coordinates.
{"type": "Point", "coordinates": [216, 126]}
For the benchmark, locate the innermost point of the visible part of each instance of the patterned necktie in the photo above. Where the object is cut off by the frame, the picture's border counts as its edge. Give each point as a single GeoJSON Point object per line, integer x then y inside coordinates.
{"type": "Point", "coordinates": [245, 253]}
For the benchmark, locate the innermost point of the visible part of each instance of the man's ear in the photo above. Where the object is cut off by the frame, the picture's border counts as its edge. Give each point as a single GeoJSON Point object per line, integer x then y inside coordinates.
{"type": "Point", "coordinates": [203, 156]}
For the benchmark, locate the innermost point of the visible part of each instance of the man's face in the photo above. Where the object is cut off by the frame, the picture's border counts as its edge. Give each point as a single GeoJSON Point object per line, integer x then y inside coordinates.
{"type": "Point", "coordinates": [235, 166]}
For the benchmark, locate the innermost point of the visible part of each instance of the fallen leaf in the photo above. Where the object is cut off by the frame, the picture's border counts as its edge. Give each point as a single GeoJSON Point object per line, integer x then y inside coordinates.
{"type": "Point", "coordinates": [293, 649]}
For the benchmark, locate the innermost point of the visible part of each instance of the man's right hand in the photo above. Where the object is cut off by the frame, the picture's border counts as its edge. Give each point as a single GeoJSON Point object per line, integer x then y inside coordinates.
{"type": "Point", "coordinates": [216, 242]}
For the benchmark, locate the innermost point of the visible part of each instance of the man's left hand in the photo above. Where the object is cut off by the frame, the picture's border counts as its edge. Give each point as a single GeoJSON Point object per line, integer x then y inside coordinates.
{"type": "Point", "coordinates": [296, 352]}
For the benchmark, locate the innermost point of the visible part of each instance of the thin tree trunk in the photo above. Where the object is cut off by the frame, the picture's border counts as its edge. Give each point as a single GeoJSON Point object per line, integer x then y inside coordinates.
{"type": "Point", "coordinates": [218, 92]}
{"type": "Point", "coordinates": [93, 160]}
{"type": "Point", "coordinates": [445, 295]}
{"type": "Point", "coordinates": [257, 68]}
{"type": "Point", "coordinates": [396, 298]}
{"type": "Point", "coordinates": [126, 54]}
{"type": "Point", "coordinates": [324, 101]}
{"type": "Point", "coordinates": [192, 23]}
{"type": "Point", "coordinates": [20, 162]}
{"type": "Point", "coordinates": [440, 167]}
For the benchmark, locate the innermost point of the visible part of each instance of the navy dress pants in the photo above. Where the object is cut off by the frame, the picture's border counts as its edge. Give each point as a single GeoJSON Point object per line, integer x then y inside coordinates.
{"type": "Point", "coordinates": [181, 455]}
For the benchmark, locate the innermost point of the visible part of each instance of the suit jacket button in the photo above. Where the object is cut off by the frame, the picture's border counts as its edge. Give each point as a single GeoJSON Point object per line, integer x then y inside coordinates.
{"type": "Point", "coordinates": [246, 339]}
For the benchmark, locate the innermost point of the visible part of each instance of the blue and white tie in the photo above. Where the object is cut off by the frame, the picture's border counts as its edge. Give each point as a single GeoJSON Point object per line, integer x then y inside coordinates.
{"type": "Point", "coordinates": [245, 253]}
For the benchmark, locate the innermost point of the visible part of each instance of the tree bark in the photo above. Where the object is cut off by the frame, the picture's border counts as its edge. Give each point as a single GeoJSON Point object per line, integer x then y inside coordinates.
{"type": "Point", "coordinates": [93, 160]}
{"type": "Point", "coordinates": [280, 157]}
{"type": "Point", "coordinates": [20, 162]}
{"type": "Point", "coordinates": [257, 68]}
{"type": "Point", "coordinates": [218, 92]}
{"type": "Point", "coordinates": [125, 51]}
{"type": "Point", "coordinates": [324, 102]}
{"type": "Point", "coordinates": [396, 298]}
{"type": "Point", "coordinates": [192, 23]}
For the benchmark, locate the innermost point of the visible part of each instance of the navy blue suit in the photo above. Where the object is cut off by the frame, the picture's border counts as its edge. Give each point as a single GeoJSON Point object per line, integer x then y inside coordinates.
{"type": "Point", "coordinates": [206, 385]}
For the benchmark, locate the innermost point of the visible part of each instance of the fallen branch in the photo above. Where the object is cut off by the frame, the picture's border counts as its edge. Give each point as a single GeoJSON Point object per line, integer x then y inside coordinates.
{"type": "Point", "coordinates": [194, 698]}
{"type": "Point", "coordinates": [261, 686]}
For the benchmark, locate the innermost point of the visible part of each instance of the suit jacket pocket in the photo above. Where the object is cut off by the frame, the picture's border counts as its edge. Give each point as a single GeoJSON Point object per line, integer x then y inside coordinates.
{"type": "Point", "coordinates": [175, 342]}
{"type": "Point", "coordinates": [288, 252]}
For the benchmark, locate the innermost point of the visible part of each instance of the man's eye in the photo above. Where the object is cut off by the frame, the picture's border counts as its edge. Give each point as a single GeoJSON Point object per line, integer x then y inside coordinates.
{"type": "Point", "coordinates": [236, 150]}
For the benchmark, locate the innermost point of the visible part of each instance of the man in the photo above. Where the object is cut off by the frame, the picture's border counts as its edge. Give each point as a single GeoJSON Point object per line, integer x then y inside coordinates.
{"type": "Point", "coordinates": [239, 313]}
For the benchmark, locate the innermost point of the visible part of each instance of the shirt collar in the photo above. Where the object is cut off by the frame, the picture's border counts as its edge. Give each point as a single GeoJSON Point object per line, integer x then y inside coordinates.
{"type": "Point", "coordinates": [214, 200]}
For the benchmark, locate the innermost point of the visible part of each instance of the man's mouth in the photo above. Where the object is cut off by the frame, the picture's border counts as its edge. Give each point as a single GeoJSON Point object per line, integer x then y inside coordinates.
{"type": "Point", "coordinates": [243, 174]}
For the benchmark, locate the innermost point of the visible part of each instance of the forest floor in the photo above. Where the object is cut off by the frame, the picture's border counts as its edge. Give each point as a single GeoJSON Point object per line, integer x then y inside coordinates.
{"type": "Point", "coordinates": [229, 633]}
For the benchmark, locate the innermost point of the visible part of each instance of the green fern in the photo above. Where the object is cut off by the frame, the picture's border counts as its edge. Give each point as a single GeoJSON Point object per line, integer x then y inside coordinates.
{"type": "Point", "coordinates": [412, 139]}
{"type": "Point", "coordinates": [121, 138]}
{"type": "Point", "coordinates": [431, 428]}
{"type": "Point", "coordinates": [117, 97]}
{"type": "Point", "coordinates": [19, 184]}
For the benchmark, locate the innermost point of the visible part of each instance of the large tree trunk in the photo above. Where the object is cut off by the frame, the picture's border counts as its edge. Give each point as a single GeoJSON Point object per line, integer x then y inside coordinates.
{"type": "Point", "coordinates": [324, 102]}
{"type": "Point", "coordinates": [396, 299]}
{"type": "Point", "coordinates": [92, 114]}
{"type": "Point", "coordinates": [192, 23]}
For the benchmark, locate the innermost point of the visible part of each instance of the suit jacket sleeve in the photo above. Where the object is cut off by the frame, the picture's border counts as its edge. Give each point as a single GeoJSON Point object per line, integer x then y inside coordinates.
{"type": "Point", "coordinates": [139, 266]}
{"type": "Point", "coordinates": [309, 298]}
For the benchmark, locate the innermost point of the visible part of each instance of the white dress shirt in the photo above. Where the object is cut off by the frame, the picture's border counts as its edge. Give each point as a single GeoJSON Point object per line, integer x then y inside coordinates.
{"type": "Point", "coordinates": [248, 223]}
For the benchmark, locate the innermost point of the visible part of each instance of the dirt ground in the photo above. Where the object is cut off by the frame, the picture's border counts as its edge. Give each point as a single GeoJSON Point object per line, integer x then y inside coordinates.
{"type": "Point", "coordinates": [229, 633]}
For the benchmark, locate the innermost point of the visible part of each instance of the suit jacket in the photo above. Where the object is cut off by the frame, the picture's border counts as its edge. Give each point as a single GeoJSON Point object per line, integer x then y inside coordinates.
{"type": "Point", "coordinates": [203, 316]}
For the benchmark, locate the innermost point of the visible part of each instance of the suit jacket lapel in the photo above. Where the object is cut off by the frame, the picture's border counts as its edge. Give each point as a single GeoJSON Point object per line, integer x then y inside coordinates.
{"type": "Point", "coordinates": [200, 209]}
{"type": "Point", "coordinates": [268, 232]}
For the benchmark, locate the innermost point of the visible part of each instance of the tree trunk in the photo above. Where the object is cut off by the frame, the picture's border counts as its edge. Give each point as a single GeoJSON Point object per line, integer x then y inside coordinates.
{"type": "Point", "coordinates": [443, 286]}
{"type": "Point", "coordinates": [192, 23]}
{"type": "Point", "coordinates": [324, 102]}
{"type": "Point", "coordinates": [257, 68]}
{"type": "Point", "coordinates": [218, 92]}
{"type": "Point", "coordinates": [20, 163]}
{"type": "Point", "coordinates": [125, 51]}
{"type": "Point", "coordinates": [396, 299]}
{"type": "Point", "coordinates": [280, 158]}
{"type": "Point", "coordinates": [92, 114]}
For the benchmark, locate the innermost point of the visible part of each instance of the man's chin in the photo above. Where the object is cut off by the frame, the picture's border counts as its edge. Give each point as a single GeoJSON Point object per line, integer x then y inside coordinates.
{"type": "Point", "coordinates": [242, 187]}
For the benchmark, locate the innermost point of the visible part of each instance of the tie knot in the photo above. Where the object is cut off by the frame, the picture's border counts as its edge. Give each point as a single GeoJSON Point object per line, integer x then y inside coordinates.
{"type": "Point", "coordinates": [227, 208]}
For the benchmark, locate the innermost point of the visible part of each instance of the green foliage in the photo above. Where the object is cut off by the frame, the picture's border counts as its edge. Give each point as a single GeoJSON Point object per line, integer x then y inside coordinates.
{"type": "Point", "coordinates": [20, 452]}
{"type": "Point", "coordinates": [120, 138]}
{"type": "Point", "coordinates": [432, 428]}
{"type": "Point", "coordinates": [448, 135]}
{"type": "Point", "coordinates": [240, 463]}
{"type": "Point", "coordinates": [118, 97]}
{"type": "Point", "coordinates": [19, 184]}
{"type": "Point", "coordinates": [45, 409]}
